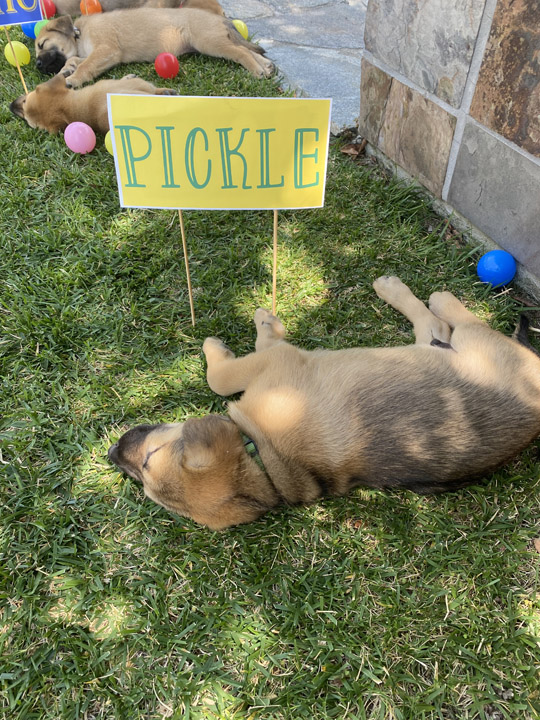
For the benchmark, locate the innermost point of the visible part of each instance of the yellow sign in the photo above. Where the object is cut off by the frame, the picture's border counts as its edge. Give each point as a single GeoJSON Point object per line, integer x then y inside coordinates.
{"type": "Point", "coordinates": [219, 152]}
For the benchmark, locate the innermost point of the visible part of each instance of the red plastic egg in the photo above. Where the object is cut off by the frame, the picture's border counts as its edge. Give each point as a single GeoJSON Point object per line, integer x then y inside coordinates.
{"type": "Point", "coordinates": [49, 8]}
{"type": "Point", "coordinates": [166, 65]}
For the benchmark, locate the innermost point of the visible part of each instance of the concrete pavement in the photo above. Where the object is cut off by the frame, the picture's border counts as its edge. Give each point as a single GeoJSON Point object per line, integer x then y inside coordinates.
{"type": "Point", "coordinates": [315, 44]}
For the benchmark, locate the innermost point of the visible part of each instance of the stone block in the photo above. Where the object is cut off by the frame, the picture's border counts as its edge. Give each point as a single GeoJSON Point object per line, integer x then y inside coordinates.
{"type": "Point", "coordinates": [496, 188]}
{"type": "Point", "coordinates": [507, 96]}
{"type": "Point", "coordinates": [407, 127]}
{"type": "Point", "coordinates": [430, 43]}
{"type": "Point", "coordinates": [374, 88]}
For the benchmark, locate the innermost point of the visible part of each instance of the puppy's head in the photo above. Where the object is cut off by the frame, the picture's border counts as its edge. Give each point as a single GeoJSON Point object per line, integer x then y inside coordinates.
{"type": "Point", "coordinates": [55, 44]}
{"type": "Point", "coordinates": [191, 468]}
{"type": "Point", "coordinates": [43, 107]}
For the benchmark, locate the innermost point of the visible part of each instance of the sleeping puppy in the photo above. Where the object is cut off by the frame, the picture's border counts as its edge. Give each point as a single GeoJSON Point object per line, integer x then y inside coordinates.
{"type": "Point", "coordinates": [52, 106]}
{"type": "Point", "coordinates": [84, 49]}
{"type": "Point", "coordinates": [73, 7]}
{"type": "Point", "coordinates": [427, 417]}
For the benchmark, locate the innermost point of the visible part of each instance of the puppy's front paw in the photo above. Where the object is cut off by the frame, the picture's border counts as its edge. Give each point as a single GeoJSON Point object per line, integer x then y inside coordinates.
{"type": "Point", "coordinates": [389, 287]}
{"type": "Point", "coordinates": [72, 81]}
{"type": "Point", "coordinates": [264, 320]}
{"type": "Point", "coordinates": [214, 348]}
{"type": "Point", "coordinates": [269, 68]}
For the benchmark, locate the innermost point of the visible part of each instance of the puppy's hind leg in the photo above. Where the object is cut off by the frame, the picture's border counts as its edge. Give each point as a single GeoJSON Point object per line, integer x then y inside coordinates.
{"type": "Point", "coordinates": [449, 309]}
{"type": "Point", "coordinates": [426, 326]}
{"type": "Point", "coordinates": [270, 330]}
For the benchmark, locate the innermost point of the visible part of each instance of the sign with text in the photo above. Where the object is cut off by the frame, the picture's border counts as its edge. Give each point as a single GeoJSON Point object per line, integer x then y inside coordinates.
{"type": "Point", "coordinates": [219, 152]}
{"type": "Point", "coordinates": [15, 12]}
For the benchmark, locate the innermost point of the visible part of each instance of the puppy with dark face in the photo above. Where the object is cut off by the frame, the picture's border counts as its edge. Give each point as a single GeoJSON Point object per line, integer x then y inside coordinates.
{"type": "Point", "coordinates": [427, 417]}
{"type": "Point", "coordinates": [84, 49]}
{"type": "Point", "coordinates": [52, 106]}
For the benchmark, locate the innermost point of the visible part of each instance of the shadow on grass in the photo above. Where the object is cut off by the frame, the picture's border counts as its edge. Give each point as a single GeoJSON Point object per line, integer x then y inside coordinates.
{"type": "Point", "coordinates": [371, 606]}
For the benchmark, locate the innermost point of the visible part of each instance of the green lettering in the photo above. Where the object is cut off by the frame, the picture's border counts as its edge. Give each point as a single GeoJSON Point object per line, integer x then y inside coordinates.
{"type": "Point", "coordinates": [190, 164]}
{"type": "Point", "coordinates": [300, 156]}
{"type": "Point", "coordinates": [129, 158]}
{"type": "Point", "coordinates": [265, 160]}
{"type": "Point", "coordinates": [226, 153]}
{"type": "Point", "coordinates": [167, 156]}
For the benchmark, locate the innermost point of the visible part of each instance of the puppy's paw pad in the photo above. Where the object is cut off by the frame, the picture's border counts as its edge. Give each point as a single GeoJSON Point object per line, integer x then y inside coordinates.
{"type": "Point", "coordinates": [387, 286]}
{"type": "Point", "coordinates": [264, 320]}
{"type": "Point", "coordinates": [214, 345]}
{"type": "Point", "coordinates": [261, 316]}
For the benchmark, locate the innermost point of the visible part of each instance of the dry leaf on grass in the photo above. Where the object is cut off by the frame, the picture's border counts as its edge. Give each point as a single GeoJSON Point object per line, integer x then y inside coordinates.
{"type": "Point", "coordinates": [354, 149]}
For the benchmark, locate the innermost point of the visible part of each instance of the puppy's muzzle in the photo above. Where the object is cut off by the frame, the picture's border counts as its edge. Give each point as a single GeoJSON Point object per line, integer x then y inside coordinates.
{"type": "Point", "coordinates": [50, 63]}
{"type": "Point", "coordinates": [112, 453]}
{"type": "Point", "coordinates": [16, 107]}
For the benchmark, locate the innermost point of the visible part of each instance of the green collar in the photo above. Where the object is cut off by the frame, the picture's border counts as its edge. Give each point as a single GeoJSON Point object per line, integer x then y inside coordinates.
{"type": "Point", "coordinates": [251, 449]}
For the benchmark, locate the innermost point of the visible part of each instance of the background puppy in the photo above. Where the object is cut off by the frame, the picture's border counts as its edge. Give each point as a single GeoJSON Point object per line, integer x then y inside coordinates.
{"type": "Point", "coordinates": [72, 7]}
{"type": "Point", "coordinates": [86, 48]}
{"type": "Point", "coordinates": [427, 417]}
{"type": "Point", "coordinates": [52, 106]}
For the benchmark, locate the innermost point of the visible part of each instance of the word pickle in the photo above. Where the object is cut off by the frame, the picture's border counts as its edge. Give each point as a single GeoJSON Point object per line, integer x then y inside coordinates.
{"type": "Point", "coordinates": [226, 153]}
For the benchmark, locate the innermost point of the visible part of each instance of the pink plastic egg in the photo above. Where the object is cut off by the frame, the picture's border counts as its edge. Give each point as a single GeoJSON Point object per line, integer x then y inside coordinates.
{"type": "Point", "coordinates": [80, 138]}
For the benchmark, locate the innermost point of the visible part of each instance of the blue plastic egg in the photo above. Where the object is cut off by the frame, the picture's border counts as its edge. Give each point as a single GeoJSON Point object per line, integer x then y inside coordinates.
{"type": "Point", "coordinates": [29, 29]}
{"type": "Point", "coordinates": [496, 267]}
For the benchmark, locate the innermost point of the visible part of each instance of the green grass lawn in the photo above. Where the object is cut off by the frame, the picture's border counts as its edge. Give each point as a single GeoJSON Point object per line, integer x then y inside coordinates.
{"type": "Point", "coordinates": [385, 606]}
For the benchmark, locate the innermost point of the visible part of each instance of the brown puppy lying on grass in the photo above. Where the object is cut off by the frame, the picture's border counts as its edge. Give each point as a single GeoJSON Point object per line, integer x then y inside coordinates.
{"type": "Point", "coordinates": [73, 7]}
{"type": "Point", "coordinates": [52, 106]}
{"type": "Point", "coordinates": [89, 46]}
{"type": "Point", "coordinates": [427, 417]}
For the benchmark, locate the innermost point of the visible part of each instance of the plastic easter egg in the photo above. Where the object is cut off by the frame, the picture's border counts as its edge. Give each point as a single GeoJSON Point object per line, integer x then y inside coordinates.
{"type": "Point", "coordinates": [89, 7]}
{"type": "Point", "coordinates": [241, 26]}
{"type": "Point", "coordinates": [108, 143]}
{"type": "Point", "coordinates": [166, 65]}
{"type": "Point", "coordinates": [497, 267]}
{"type": "Point", "coordinates": [80, 138]}
{"type": "Point", "coordinates": [49, 8]}
{"type": "Point", "coordinates": [39, 26]}
{"type": "Point", "coordinates": [22, 53]}
{"type": "Point", "coordinates": [29, 29]}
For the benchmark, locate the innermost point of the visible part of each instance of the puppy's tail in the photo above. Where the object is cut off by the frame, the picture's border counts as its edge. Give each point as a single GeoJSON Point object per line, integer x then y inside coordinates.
{"type": "Point", "coordinates": [237, 39]}
{"type": "Point", "coordinates": [521, 334]}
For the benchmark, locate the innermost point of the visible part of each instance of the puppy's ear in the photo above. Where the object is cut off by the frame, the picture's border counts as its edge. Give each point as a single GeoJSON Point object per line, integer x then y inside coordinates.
{"type": "Point", "coordinates": [57, 84]}
{"type": "Point", "coordinates": [210, 441]}
{"type": "Point", "coordinates": [63, 24]}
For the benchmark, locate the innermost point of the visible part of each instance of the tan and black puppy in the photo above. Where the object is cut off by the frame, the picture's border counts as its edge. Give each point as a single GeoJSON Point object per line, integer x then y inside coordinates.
{"type": "Point", "coordinates": [89, 46]}
{"type": "Point", "coordinates": [52, 106]}
{"type": "Point", "coordinates": [73, 7]}
{"type": "Point", "coordinates": [427, 417]}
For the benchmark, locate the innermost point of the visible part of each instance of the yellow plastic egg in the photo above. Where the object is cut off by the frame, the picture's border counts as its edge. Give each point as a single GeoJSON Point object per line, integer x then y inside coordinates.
{"type": "Point", "coordinates": [241, 26]}
{"type": "Point", "coordinates": [22, 53]}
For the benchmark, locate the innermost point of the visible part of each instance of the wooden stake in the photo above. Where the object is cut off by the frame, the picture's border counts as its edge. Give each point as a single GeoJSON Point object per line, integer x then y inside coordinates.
{"type": "Point", "coordinates": [16, 61]}
{"type": "Point", "coordinates": [274, 268]}
{"type": "Point", "coordinates": [184, 245]}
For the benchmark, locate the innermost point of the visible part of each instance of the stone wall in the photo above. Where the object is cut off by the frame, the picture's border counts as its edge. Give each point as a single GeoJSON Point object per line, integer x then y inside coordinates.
{"type": "Point", "coordinates": [450, 92]}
